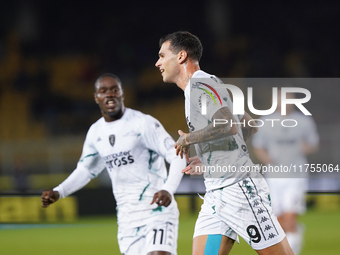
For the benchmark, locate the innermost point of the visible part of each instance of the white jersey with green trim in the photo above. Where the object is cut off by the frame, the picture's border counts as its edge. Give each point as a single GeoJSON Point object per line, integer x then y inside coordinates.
{"type": "Point", "coordinates": [284, 144]}
{"type": "Point", "coordinates": [222, 159]}
{"type": "Point", "coordinates": [132, 149]}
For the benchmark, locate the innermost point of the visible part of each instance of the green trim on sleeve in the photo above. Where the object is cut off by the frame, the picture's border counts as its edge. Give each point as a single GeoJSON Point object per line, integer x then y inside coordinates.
{"type": "Point", "coordinates": [87, 156]}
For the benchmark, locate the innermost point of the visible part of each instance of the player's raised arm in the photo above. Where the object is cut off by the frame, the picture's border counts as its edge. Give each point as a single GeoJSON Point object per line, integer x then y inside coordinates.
{"type": "Point", "coordinates": [88, 167]}
{"type": "Point", "coordinates": [77, 180]}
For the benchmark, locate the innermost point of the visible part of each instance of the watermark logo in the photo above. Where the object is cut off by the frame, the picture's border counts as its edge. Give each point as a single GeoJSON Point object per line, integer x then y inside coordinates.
{"type": "Point", "coordinates": [238, 96]}
{"type": "Point", "coordinates": [204, 99]}
{"type": "Point", "coordinates": [216, 91]}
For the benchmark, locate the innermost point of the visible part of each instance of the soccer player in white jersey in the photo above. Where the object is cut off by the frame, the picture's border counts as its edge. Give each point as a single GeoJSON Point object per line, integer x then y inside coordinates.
{"type": "Point", "coordinates": [277, 145]}
{"type": "Point", "coordinates": [132, 147]}
{"type": "Point", "coordinates": [234, 204]}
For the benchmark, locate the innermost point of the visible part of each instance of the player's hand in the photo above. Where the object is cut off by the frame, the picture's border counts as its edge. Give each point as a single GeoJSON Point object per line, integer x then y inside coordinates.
{"type": "Point", "coordinates": [182, 146]}
{"type": "Point", "coordinates": [194, 166]}
{"type": "Point", "coordinates": [162, 198]}
{"type": "Point", "coordinates": [49, 197]}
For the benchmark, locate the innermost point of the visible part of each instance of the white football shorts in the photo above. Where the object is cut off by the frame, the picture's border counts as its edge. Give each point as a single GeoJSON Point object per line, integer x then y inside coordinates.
{"type": "Point", "coordinates": [241, 209]}
{"type": "Point", "coordinates": [155, 228]}
{"type": "Point", "coordinates": [154, 236]}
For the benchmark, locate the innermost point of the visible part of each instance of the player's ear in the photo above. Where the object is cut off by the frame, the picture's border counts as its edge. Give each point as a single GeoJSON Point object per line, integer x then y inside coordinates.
{"type": "Point", "coordinates": [95, 98]}
{"type": "Point", "coordinates": [182, 56]}
{"type": "Point", "coordinates": [122, 91]}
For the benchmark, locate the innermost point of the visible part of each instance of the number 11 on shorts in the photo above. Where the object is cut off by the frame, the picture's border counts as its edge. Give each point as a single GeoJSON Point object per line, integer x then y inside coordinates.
{"type": "Point", "coordinates": [161, 233]}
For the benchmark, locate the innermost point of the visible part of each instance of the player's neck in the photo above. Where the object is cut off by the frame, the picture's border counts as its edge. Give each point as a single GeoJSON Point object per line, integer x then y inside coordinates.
{"type": "Point", "coordinates": [187, 71]}
{"type": "Point", "coordinates": [116, 116]}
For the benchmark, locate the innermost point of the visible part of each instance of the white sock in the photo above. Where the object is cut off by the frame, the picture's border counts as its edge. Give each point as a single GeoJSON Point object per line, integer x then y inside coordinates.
{"type": "Point", "coordinates": [295, 239]}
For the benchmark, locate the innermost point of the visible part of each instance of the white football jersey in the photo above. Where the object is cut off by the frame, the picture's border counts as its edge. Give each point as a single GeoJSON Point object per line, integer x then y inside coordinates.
{"type": "Point", "coordinates": [132, 149]}
{"type": "Point", "coordinates": [284, 144]}
{"type": "Point", "coordinates": [228, 152]}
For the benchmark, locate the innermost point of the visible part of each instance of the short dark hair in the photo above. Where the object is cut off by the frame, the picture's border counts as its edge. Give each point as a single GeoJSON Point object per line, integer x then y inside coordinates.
{"type": "Point", "coordinates": [107, 75]}
{"type": "Point", "coordinates": [183, 40]}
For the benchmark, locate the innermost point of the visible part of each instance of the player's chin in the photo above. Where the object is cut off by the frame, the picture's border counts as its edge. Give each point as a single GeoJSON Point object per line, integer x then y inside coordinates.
{"type": "Point", "coordinates": [112, 111]}
{"type": "Point", "coordinates": [166, 79]}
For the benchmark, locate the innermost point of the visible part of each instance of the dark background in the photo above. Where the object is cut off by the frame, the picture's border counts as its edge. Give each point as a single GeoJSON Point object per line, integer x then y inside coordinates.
{"type": "Point", "coordinates": [52, 52]}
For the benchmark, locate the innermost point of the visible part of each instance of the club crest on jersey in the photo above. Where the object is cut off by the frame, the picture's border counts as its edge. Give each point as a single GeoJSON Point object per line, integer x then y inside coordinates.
{"type": "Point", "coordinates": [112, 139]}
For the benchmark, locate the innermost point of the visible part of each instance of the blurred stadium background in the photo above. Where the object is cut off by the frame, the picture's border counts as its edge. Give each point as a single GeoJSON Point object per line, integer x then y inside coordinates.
{"type": "Point", "coordinates": [50, 55]}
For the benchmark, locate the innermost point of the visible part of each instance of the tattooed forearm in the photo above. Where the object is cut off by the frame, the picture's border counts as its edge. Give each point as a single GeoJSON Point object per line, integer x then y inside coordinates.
{"type": "Point", "coordinates": [183, 140]}
{"type": "Point", "coordinates": [211, 133]}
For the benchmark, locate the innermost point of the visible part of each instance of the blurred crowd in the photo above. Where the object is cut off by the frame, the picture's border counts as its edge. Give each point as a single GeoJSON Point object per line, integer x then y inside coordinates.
{"type": "Point", "coordinates": [50, 54]}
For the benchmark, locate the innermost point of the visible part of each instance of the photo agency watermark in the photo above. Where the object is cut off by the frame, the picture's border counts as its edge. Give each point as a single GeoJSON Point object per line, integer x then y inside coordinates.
{"type": "Point", "coordinates": [293, 116]}
{"type": "Point", "coordinates": [211, 93]}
